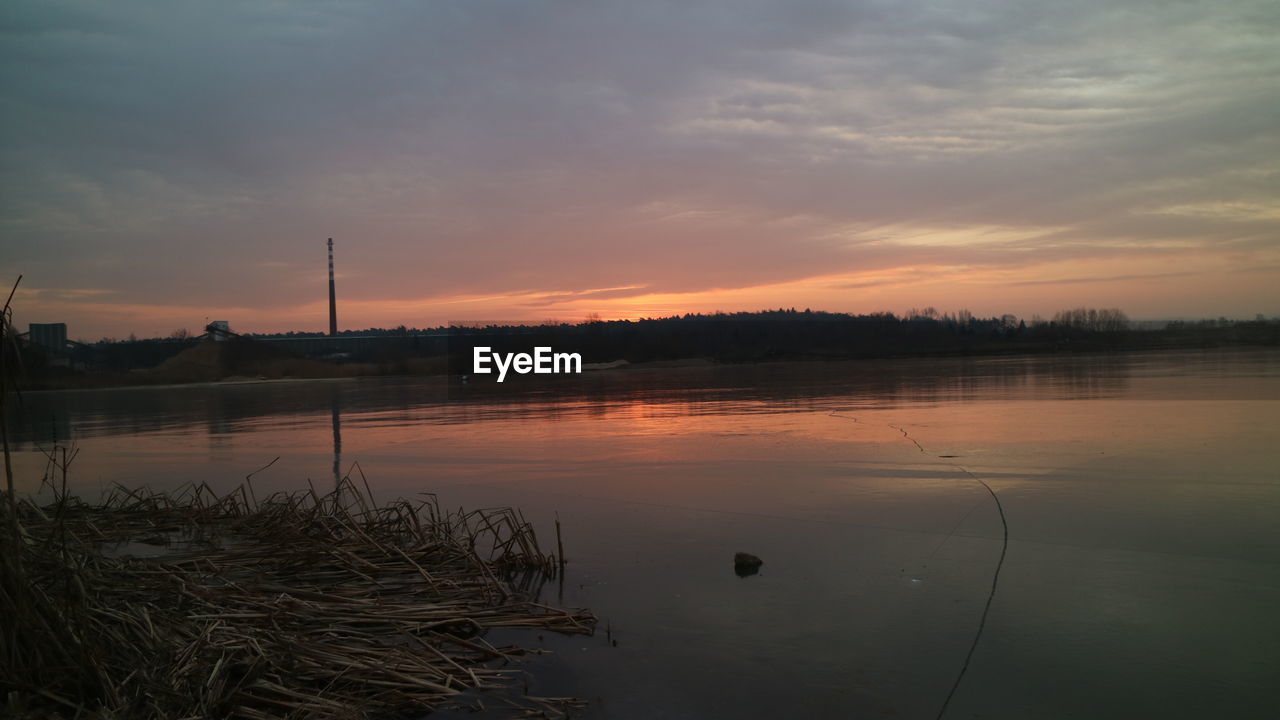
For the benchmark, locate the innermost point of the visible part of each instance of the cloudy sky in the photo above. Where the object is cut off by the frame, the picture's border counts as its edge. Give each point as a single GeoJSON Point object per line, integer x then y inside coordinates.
{"type": "Point", "coordinates": [163, 163]}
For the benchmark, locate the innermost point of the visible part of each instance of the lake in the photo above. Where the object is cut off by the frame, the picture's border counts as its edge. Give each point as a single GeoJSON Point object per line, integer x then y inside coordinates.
{"type": "Point", "coordinates": [1141, 494]}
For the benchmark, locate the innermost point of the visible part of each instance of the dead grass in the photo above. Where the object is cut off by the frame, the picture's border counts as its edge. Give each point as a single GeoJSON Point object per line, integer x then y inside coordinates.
{"type": "Point", "coordinates": [300, 605]}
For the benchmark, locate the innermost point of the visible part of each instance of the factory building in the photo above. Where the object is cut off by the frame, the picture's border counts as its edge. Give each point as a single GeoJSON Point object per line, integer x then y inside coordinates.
{"type": "Point", "coordinates": [50, 337]}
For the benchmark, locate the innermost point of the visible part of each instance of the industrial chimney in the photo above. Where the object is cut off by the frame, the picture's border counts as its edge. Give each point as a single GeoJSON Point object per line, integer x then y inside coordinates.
{"type": "Point", "coordinates": [333, 299]}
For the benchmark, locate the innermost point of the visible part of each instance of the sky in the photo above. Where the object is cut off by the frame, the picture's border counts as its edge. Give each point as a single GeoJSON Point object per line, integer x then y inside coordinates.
{"type": "Point", "coordinates": [163, 164]}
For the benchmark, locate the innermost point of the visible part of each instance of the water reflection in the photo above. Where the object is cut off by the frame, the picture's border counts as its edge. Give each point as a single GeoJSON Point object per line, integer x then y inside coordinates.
{"type": "Point", "coordinates": [335, 406]}
{"type": "Point", "coordinates": [224, 409]}
{"type": "Point", "coordinates": [1141, 532]}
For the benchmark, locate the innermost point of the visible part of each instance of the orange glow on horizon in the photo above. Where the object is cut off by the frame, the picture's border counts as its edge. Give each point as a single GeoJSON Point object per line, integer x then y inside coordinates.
{"type": "Point", "coordinates": [1182, 283]}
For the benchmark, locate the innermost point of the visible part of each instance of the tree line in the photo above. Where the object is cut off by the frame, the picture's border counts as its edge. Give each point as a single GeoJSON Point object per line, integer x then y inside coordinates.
{"type": "Point", "coordinates": [750, 336]}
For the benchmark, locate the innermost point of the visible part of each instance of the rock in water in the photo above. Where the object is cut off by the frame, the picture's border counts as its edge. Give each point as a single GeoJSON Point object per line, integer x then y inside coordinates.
{"type": "Point", "coordinates": [745, 564]}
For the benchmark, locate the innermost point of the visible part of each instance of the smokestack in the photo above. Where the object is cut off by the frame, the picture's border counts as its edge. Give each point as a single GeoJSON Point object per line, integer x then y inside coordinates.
{"type": "Point", "coordinates": [333, 299]}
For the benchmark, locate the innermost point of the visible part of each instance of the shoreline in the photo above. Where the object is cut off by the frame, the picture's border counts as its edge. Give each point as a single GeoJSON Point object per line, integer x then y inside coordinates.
{"type": "Point", "coordinates": [95, 380]}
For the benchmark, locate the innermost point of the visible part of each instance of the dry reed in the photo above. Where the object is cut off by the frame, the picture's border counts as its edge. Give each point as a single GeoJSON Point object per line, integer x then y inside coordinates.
{"type": "Point", "coordinates": [301, 605]}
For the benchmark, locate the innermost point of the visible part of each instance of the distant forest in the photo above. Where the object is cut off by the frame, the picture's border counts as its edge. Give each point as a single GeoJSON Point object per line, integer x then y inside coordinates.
{"type": "Point", "coordinates": [783, 334]}
{"type": "Point", "coordinates": [813, 335]}
{"type": "Point", "coordinates": [790, 332]}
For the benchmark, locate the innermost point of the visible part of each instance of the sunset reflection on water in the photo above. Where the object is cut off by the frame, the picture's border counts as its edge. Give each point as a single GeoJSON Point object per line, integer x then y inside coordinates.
{"type": "Point", "coordinates": [1140, 492]}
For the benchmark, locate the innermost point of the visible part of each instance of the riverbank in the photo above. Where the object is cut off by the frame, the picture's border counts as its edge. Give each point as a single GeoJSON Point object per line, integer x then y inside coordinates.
{"type": "Point", "coordinates": [435, 368]}
{"type": "Point", "coordinates": [305, 605]}
{"type": "Point", "coordinates": [790, 337]}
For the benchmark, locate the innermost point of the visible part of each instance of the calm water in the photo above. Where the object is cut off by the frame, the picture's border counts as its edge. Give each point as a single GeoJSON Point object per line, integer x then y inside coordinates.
{"type": "Point", "coordinates": [1142, 494]}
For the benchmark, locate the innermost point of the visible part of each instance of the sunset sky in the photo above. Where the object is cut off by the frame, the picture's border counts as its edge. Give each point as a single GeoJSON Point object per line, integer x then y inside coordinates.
{"type": "Point", "coordinates": [167, 163]}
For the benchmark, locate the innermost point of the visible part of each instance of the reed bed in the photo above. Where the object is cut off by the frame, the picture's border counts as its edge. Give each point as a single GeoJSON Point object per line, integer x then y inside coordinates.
{"type": "Point", "coordinates": [299, 605]}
